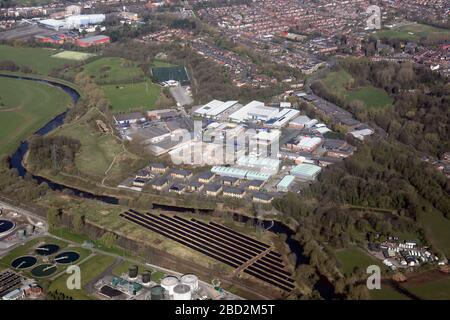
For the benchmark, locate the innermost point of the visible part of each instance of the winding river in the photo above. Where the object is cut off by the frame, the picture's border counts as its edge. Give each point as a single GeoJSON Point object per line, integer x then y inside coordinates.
{"type": "Point", "coordinates": [324, 287]}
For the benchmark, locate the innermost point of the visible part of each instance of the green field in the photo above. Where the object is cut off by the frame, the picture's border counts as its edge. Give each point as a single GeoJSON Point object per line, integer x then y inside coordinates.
{"type": "Point", "coordinates": [373, 98]}
{"type": "Point", "coordinates": [114, 70]}
{"type": "Point", "coordinates": [387, 293]}
{"type": "Point", "coordinates": [415, 32]}
{"type": "Point", "coordinates": [354, 257]}
{"type": "Point", "coordinates": [90, 269]}
{"type": "Point", "coordinates": [128, 97]}
{"type": "Point", "coordinates": [433, 290]}
{"type": "Point", "coordinates": [40, 60]}
{"type": "Point", "coordinates": [25, 106]}
{"type": "Point", "coordinates": [437, 230]}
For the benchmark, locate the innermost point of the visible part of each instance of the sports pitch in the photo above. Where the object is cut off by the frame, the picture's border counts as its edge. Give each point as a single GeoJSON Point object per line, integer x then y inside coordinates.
{"type": "Point", "coordinates": [177, 73]}
{"type": "Point", "coordinates": [73, 55]}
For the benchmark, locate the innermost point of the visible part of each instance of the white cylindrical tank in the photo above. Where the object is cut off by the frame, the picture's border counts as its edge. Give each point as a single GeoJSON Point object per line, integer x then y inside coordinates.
{"type": "Point", "coordinates": [190, 280]}
{"type": "Point", "coordinates": [168, 283]}
{"type": "Point", "coordinates": [182, 292]}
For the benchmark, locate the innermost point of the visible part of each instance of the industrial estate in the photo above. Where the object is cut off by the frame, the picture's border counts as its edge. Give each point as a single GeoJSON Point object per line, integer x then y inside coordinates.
{"type": "Point", "coordinates": [224, 150]}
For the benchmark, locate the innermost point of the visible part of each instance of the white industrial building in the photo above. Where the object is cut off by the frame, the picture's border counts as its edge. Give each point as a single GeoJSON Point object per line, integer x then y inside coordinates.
{"type": "Point", "coordinates": [77, 21]}
{"type": "Point", "coordinates": [72, 22]}
{"type": "Point", "coordinates": [214, 108]}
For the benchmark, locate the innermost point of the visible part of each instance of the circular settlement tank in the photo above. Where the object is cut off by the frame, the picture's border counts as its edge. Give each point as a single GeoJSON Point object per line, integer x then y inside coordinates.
{"type": "Point", "coordinates": [190, 280]}
{"type": "Point", "coordinates": [157, 293]}
{"type": "Point", "coordinates": [24, 262]}
{"type": "Point", "coordinates": [146, 276]}
{"type": "Point", "coordinates": [6, 226]}
{"type": "Point", "coordinates": [133, 271]}
{"type": "Point", "coordinates": [168, 283]}
{"type": "Point", "coordinates": [182, 292]}
{"type": "Point", "coordinates": [47, 249]}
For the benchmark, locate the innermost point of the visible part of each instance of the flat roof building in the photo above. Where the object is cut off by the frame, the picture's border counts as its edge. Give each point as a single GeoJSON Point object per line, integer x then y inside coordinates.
{"type": "Point", "coordinates": [306, 171]}
{"type": "Point", "coordinates": [214, 108]}
{"type": "Point", "coordinates": [285, 183]}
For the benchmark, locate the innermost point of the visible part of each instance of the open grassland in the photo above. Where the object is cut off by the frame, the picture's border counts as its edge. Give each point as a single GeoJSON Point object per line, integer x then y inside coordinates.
{"type": "Point", "coordinates": [25, 106]}
{"type": "Point", "coordinates": [373, 98]}
{"type": "Point", "coordinates": [432, 290]}
{"type": "Point", "coordinates": [437, 229]}
{"type": "Point", "coordinates": [90, 269]}
{"type": "Point", "coordinates": [415, 32]}
{"type": "Point", "coordinates": [135, 96]}
{"type": "Point", "coordinates": [73, 55]}
{"type": "Point", "coordinates": [40, 60]}
{"type": "Point", "coordinates": [387, 293]}
{"type": "Point", "coordinates": [99, 151]}
{"type": "Point", "coordinates": [354, 257]}
{"type": "Point", "coordinates": [113, 70]}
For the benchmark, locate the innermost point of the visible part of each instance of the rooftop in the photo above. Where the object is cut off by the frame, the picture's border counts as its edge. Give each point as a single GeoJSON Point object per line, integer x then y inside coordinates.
{"type": "Point", "coordinates": [306, 169]}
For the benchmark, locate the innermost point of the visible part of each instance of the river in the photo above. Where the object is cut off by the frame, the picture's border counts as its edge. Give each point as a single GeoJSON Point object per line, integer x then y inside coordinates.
{"type": "Point", "coordinates": [324, 287]}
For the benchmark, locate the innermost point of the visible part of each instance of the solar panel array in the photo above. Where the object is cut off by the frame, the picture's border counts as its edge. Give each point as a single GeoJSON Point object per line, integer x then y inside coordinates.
{"type": "Point", "coordinates": [232, 248]}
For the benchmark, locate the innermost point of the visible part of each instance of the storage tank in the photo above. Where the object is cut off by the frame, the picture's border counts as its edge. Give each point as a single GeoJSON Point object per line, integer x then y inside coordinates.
{"type": "Point", "coordinates": [157, 293]}
{"type": "Point", "coordinates": [21, 233]}
{"type": "Point", "coordinates": [133, 271]}
{"type": "Point", "coordinates": [182, 292]}
{"type": "Point", "coordinates": [146, 276]}
{"type": "Point", "coordinates": [168, 283]}
{"type": "Point", "coordinates": [29, 230]}
{"type": "Point", "coordinates": [191, 280]}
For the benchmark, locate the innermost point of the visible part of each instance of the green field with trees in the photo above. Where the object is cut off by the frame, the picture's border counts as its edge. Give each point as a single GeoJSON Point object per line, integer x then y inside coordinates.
{"type": "Point", "coordinates": [113, 70]}
{"type": "Point", "coordinates": [340, 83]}
{"type": "Point", "coordinates": [83, 151]}
{"type": "Point", "coordinates": [351, 258]}
{"type": "Point", "coordinates": [25, 106]}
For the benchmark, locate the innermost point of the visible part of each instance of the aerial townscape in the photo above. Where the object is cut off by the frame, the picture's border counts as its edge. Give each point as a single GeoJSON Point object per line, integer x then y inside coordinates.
{"type": "Point", "coordinates": [224, 150]}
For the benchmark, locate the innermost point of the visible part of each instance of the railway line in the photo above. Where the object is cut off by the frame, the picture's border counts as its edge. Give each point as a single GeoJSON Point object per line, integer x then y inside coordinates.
{"type": "Point", "coordinates": [223, 244]}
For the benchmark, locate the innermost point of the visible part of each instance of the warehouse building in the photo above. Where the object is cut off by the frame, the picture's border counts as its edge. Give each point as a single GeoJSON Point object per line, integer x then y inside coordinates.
{"type": "Point", "coordinates": [285, 183]}
{"type": "Point", "coordinates": [306, 171]}
{"type": "Point", "coordinates": [77, 21]}
{"type": "Point", "coordinates": [261, 164]}
{"type": "Point", "coordinates": [240, 173]}
{"type": "Point", "coordinates": [93, 41]}
{"type": "Point", "coordinates": [215, 108]}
